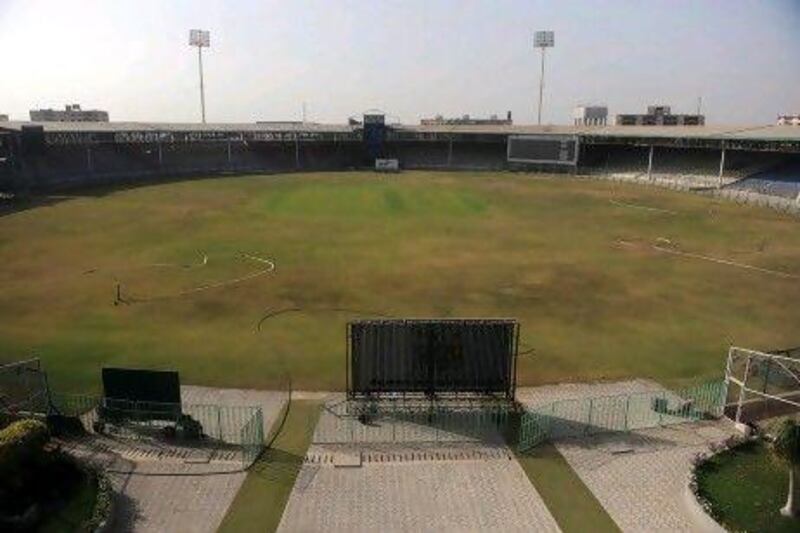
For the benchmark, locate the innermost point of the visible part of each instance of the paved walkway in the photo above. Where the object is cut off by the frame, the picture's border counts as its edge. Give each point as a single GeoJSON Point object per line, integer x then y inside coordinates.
{"type": "Point", "coordinates": [413, 491]}
{"type": "Point", "coordinates": [533, 396]}
{"type": "Point", "coordinates": [168, 492]}
{"type": "Point", "coordinates": [640, 477]}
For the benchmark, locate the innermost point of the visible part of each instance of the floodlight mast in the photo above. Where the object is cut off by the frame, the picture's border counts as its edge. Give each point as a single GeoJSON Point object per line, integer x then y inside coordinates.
{"type": "Point", "coordinates": [201, 39]}
{"type": "Point", "coordinates": [542, 40]}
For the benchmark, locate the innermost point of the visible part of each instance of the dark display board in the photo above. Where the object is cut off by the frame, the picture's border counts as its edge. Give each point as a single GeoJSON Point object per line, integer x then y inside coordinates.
{"type": "Point", "coordinates": [374, 135]}
{"type": "Point", "coordinates": [543, 149]}
{"type": "Point", "coordinates": [432, 356]}
{"type": "Point", "coordinates": [135, 385]}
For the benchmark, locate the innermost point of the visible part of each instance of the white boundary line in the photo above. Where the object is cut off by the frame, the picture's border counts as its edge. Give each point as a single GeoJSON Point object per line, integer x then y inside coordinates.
{"type": "Point", "coordinates": [785, 275]}
{"type": "Point", "coordinates": [642, 207]}
{"type": "Point", "coordinates": [226, 283]}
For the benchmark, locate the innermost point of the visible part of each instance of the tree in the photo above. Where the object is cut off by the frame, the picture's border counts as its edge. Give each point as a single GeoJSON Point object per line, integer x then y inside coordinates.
{"type": "Point", "coordinates": [787, 448]}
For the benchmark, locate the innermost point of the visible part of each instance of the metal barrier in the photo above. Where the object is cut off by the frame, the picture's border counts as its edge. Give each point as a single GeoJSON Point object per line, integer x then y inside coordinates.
{"type": "Point", "coordinates": [619, 413]}
{"type": "Point", "coordinates": [396, 421]}
{"type": "Point", "coordinates": [219, 425]}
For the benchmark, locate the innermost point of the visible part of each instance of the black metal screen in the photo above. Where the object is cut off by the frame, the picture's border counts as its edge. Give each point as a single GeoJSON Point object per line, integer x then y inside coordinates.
{"type": "Point", "coordinates": [543, 149]}
{"type": "Point", "coordinates": [432, 356]}
{"type": "Point", "coordinates": [135, 385]}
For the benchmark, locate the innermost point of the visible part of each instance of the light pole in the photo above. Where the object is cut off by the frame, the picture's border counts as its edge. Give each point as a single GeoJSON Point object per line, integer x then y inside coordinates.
{"type": "Point", "coordinates": [542, 40]}
{"type": "Point", "coordinates": [201, 39]}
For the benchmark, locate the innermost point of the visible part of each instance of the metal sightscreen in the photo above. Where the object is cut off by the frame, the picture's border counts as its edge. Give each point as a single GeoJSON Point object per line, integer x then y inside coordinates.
{"type": "Point", "coordinates": [432, 356]}
{"type": "Point", "coordinates": [158, 387]}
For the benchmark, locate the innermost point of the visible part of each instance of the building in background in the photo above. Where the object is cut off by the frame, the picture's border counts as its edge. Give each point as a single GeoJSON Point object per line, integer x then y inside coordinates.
{"type": "Point", "coordinates": [659, 115]}
{"type": "Point", "coordinates": [3, 118]}
{"type": "Point", "coordinates": [590, 115]}
{"type": "Point", "coordinates": [71, 113]}
{"type": "Point", "coordinates": [789, 120]}
{"type": "Point", "coordinates": [466, 120]}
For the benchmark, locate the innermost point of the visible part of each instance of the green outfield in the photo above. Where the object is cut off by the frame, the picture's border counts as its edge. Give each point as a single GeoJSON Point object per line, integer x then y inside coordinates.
{"type": "Point", "coordinates": [607, 280]}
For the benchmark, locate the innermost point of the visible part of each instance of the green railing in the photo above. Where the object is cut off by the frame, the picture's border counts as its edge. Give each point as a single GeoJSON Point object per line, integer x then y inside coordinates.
{"type": "Point", "coordinates": [388, 421]}
{"type": "Point", "coordinates": [220, 426]}
{"type": "Point", "coordinates": [252, 437]}
{"type": "Point", "coordinates": [619, 413]}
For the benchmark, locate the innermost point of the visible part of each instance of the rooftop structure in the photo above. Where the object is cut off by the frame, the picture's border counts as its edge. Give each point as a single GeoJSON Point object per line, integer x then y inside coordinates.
{"type": "Point", "coordinates": [439, 120]}
{"type": "Point", "coordinates": [659, 115]}
{"type": "Point", "coordinates": [71, 113]}
{"type": "Point", "coordinates": [789, 120]}
{"type": "Point", "coordinates": [590, 115]}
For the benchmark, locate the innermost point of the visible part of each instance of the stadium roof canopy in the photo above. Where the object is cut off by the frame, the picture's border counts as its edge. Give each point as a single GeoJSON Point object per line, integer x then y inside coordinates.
{"type": "Point", "coordinates": [766, 133]}
{"type": "Point", "coordinates": [111, 127]}
{"type": "Point", "coordinates": [763, 133]}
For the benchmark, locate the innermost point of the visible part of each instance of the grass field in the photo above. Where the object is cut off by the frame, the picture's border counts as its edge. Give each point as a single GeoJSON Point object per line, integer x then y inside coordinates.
{"type": "Point", "coordinates": [747, 487]}
{"type": "Point", "coordinates": [572, 259]}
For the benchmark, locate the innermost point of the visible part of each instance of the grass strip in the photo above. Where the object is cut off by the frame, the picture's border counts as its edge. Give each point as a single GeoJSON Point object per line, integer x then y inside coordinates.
{"type": "Point", "coordinates": [259, 504]}
{"type": "Point", "coordinates": [572, 503]}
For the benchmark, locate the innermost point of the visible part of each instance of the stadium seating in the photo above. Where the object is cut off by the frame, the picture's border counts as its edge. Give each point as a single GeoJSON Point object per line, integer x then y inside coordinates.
{"type": "Point", "coordinates": [782, 180]}
{"type": "Point", "coordinates": [478, 156]}
{"type": "Point", "coordinates": [421, 155]}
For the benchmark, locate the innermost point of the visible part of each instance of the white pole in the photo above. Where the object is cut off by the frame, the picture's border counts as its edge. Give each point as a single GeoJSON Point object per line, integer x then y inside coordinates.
{"type": "Point", "coordinates": [650, 163]}
{"type": "Point", "coordinates": [741, 390]}
{"type": "Point", "coordinates": [541, 89]}
{"type": "Point", "coordinates": [721, 166]}
{"type": "Point", "coordinates": [202, 89]}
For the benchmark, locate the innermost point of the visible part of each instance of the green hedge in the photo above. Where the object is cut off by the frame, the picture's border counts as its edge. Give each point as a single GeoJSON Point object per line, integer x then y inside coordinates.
{"type": "Point", "coordinates": [20, 443]}
{"type": "Point", "coordinates": [101, 513]}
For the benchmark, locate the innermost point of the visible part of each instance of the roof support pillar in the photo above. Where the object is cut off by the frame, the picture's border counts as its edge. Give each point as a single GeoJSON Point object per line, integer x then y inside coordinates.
{"type": "Point", "coordinates": [650, 163]}
{"type": "Point", "coordinates": [721, 165]}
{"type": "Point", "coordinates": [450, 152]}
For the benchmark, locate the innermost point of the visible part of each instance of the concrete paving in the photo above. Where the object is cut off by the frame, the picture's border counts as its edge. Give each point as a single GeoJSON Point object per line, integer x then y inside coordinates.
{"type": "Point", "coordinates": [160, 492]}
{"type": "Point", "coordinates": [640, 478]}
{"type": "Point", "coordinates": [533, 396]}
{"type": "Point", "coordinates": [410, 490]}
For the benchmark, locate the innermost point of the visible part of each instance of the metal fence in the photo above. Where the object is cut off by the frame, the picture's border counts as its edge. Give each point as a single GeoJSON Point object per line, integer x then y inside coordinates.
{"type": "Point", "coordinates": [222, 426]}
{"type": "Point", "coordinates": [23, 387]}
{"type": "Point", "coordinates": [619, 413]}
{"type": "Point", "coordinates": [398, 421]}
{"type": "Point", "coordinates": [762, 385]}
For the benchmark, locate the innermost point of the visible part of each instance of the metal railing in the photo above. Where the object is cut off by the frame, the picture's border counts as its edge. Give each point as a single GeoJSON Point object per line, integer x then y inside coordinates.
{"type": "Point", "coordinates": [219, 425]}
{"type": "Point", "coordinates": [619, 413]}
{"type": "Point", "coordinates": [388, 421]}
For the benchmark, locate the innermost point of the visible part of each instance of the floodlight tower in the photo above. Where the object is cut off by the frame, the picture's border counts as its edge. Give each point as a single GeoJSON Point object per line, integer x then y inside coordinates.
{"type": "Point", "coordinates": [201, 39]}
{"type": "Point", "coordinates": [542, 40]}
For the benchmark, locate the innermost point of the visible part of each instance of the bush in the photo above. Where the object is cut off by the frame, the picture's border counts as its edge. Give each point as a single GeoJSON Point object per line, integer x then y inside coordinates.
{"type": "Point", "coordinates": [22, 457]}
{"type": "Point", "coordinates": [20, 443]}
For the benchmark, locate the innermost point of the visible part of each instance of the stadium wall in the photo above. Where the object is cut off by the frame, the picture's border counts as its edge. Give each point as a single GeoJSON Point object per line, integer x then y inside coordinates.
{"type": "Point", "coordinates": [74, 159]}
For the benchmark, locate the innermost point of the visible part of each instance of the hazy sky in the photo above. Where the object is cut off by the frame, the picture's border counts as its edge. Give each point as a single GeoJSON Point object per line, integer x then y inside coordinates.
{"type": "Point", "coordinates": [409, 58]}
